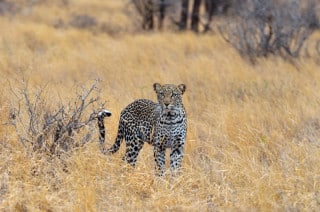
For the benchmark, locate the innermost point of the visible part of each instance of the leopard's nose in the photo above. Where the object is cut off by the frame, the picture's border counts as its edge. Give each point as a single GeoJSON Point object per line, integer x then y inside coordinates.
{"type": "Point", "coordinates": [166, 104]}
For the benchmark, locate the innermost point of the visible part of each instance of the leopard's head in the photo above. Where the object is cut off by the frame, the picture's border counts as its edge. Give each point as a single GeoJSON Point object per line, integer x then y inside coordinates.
{"type": "Point", "coordinates": [170, 97]}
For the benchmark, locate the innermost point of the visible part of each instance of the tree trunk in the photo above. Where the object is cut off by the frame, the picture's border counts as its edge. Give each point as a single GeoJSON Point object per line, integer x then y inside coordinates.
{"type": "Point", "coordinates": [210, 6]}
{"type": "Point", "coordinates": [162, 11]}
{"type": "Point", "coordinates": [195, 15]}
{"type": "Point", "coordinates": [147, 23]}
{"type": "Point", "coordinates": [184, 14]}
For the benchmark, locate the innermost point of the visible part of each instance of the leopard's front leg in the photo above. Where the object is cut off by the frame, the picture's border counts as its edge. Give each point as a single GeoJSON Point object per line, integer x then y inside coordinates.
{"type": "Point", "coordinates": [159, 154]}
{"type": "Point", "coordinates": [177, 153]}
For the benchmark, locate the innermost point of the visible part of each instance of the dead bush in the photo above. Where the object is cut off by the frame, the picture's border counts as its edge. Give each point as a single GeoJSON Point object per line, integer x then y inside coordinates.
{"type": "Point", "coordinates": [263, 28]}
{"type": "Point", "coordinates": [83, 21]}
{"type": "Point", "coordinates": [7, 7]}
{"type": "Point", "coordinates": [54, 127]}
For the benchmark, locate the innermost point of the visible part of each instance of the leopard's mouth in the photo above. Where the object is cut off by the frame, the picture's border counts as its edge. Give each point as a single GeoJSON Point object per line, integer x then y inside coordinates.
{"type": "Point", "coordinates": [170, 113]}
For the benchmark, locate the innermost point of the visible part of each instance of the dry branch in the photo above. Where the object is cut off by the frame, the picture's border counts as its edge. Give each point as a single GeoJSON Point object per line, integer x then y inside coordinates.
{"type": "Point", "coordinates": [54, 131]}
{"type": "Point", "coordinates": [263, 28]}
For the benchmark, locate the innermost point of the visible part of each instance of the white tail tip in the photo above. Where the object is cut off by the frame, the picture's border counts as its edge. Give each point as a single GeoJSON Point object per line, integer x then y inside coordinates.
{"type": "Point", "coordinates": [104, 113]}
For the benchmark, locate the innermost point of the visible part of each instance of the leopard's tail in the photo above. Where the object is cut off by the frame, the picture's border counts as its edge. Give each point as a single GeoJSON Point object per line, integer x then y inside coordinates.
{"type": "Point", "coordinates": [120, 135]}
{"type": "Point", "coordinates": [102, 131]}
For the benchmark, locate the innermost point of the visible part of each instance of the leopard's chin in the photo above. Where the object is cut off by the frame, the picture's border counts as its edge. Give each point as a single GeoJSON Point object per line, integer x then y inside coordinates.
{"type": "Point", "coordinates": [170, 113]}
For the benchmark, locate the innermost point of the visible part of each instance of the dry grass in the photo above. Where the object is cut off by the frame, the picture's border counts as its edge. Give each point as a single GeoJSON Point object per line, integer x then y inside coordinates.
{"type": "Point", "coordinates": [253, 134]}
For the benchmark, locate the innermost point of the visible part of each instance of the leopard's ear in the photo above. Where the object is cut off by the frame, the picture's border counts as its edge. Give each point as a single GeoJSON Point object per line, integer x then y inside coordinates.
{"type": "Point", "coordinates": [156, 87]}
{"type": "Point", "coordinates": [182, 88]}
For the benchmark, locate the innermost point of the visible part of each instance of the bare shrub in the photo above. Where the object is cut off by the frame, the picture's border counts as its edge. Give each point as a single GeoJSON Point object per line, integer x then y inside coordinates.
{"type": "Point", "coordinates": [312, 14]}
{"type": "Point", "coordinates": [261, 28]}
{"type": "Point", "coordinates": [7, 7]}
{"type": "Point", "coordinates": [39, 127]}
{"type": "Point", "coordinates": [83, 21]}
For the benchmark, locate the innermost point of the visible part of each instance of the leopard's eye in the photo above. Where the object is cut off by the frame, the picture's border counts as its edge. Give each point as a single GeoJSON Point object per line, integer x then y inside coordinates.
{"type": "Point", "coordinates": [174, 95]}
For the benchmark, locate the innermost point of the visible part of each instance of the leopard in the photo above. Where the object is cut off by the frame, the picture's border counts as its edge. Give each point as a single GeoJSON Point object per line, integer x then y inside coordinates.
{"type": "Point", "coordinates": [162, 124]}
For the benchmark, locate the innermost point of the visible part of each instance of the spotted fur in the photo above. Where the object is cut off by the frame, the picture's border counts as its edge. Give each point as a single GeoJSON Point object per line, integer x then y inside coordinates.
{"type": "Point", "coordinates": [162, 124]}
{"type": "Point", "coordinates": [102, 132]}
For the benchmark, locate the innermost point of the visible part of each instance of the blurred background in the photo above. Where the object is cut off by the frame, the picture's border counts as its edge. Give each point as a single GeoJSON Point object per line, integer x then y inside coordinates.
{"type": "Point", "coordinates": [251, 68]}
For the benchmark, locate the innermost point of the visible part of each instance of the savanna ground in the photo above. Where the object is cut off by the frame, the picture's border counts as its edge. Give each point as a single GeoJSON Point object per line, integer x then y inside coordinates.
{"type": "Point", "coordinates": [253, 131]}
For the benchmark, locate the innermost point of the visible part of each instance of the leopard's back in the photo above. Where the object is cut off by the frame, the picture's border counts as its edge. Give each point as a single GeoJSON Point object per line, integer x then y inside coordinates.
{"type": "Point", "coordinates": [141, 111]}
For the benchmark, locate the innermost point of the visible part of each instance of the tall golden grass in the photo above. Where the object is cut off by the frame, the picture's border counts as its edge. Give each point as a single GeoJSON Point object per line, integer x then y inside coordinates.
{"type": "Point", "coordinates": [253, 131]}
